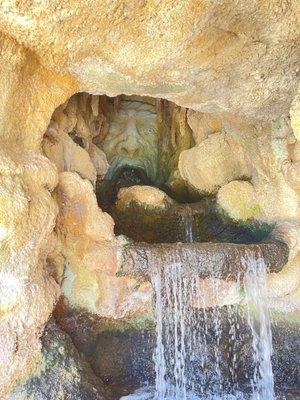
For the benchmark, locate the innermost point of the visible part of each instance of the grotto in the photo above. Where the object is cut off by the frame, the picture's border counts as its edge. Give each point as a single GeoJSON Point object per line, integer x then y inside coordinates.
{"type": "Point", "coordinates": [149, 200]}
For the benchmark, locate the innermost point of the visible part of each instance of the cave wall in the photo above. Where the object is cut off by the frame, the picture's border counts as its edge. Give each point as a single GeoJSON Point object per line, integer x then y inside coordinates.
{"type": "Point", "coordinates": [235, 60]}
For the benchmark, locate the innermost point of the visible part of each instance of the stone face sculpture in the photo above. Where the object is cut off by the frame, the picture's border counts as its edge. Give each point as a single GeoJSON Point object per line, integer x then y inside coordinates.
{"type": "Point", "coordinates": [132, 137]}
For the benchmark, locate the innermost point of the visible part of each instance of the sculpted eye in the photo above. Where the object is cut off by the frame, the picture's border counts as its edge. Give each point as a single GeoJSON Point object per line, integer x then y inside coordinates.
{"type": "Point", "coordinates": [150, 131]}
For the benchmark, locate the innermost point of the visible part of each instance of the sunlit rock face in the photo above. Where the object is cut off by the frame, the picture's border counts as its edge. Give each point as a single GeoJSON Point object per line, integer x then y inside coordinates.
{"type": "Point", "coordinates": [199, 54]}
{"type": "Point", "coordinates": [28, 291]}
{"type": "Point", "coordinates": [90, 252]}
{"type": "Point", "coordinates": [238, 199]}
{"type": "Point", "coordinates": [132, 138]}
{"type": "Point", "coordinates": [214, 162]}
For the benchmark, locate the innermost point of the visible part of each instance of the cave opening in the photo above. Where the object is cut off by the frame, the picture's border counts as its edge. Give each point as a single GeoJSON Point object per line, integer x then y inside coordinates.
{"type": "Point", "coordinates": [129, 148]}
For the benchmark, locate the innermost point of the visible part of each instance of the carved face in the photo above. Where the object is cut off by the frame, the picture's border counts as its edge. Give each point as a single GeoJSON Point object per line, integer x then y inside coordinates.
{"type": "Point", "coordinates": [132, 138]}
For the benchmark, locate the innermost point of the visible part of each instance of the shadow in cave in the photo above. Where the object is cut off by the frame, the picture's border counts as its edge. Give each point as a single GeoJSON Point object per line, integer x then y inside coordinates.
{"type": "Point", "coordinates": [203, 218]}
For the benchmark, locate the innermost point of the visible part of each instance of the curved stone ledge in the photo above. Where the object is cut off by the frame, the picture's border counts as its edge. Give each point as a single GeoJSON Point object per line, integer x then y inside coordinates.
{"type": "Point", "coordinates": [206, 260]}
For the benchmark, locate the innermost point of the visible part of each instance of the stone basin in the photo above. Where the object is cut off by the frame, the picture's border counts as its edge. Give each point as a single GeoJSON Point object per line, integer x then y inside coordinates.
{"type": "Point", "coordinates": [205, 260]}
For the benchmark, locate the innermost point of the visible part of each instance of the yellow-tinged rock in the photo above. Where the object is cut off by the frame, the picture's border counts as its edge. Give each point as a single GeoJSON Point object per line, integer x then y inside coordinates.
{"type": "Point", "coordinates": [80, 216]}
{"type": "Point", "coordinates": [214, 162]}
{"type": "Point", "coordinates": [90, 250]}
{"type": "Point", "coordinates": [239, 200]}
{"type": "Point", "coordinates": [148, 196]}
{"type": "Point", "coordinates": [67, 155]}
{"type": "Point", "coordinates": [203, 124]}
{"type": "Point", "coordinates": [295, 115]}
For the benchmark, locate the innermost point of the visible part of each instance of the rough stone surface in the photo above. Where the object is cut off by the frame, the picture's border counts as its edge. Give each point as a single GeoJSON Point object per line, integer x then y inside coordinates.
{"type": "Point", "coordinates": [28, 292]}
{"type": "Point", "coordinates": [90, 249]}
{"type": "Point", "coordinates": [203, 124]}
{"type": "Point", "coordinates": [67, 155]}
{"type": "Point", "coordinates": [205, 55]}
{"type": "Point", "coordinates": [64, 373]}
{"type": "Point", "coordinates": [146, 196]}
{"type": "Point", "coordinates": [238, 199]}
{"type": "Point", "coordinates": [212, 163]}
{"type": "Point", "coordinates": [206, 260]}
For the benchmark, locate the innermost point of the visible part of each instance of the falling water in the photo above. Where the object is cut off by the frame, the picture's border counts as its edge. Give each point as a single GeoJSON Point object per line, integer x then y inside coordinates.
{"type": "Point", "coordinates": [188, 218]}
{"type": "Point", "coordinates": [171, 328]}
{"type": "Point", "coordinates": [189, 364]}
{"type": "Point", "coordinates": [256, 289]}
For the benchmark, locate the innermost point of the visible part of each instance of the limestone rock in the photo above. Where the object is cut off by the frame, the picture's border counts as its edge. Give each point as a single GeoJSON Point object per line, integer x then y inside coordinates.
{"type": "Point", "coordinates": [27, 290]}
{"type": "Point", "coordinates": [99, 160]}
{"type": "Point", "coordinates": [199, 54]}
{"type": "Point", "coordinates": [238, 199]}
{"type": "Point", "coordinates": [295, 115]}
{"type": "Point", "coordinates": [147, 196]}
{"type": "Point", "coordinates": [90, 250]}
{"type": "Point", "coordinates": [237, 59]}
{"type": "Point", "coordinates": [286, 281]}
{"type": "Point", "coordinates": [214, 162]}
{"type": "Point", "coordinates": [202, 124]}
{"type": "Point", "coordinates": [67, 155]}
{"type": "Point", "coordinates": [64, 373]}
{"type": "Point", "coordinates": [79, 212]}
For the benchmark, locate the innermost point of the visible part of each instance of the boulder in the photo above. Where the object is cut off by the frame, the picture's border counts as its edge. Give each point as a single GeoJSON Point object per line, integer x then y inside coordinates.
{"type": "Point", "coordinates": [212, 163]}
{"type": "Point", "coordinates": [146, 196]}
{"type": "Point", "coordinates": [238, 199]}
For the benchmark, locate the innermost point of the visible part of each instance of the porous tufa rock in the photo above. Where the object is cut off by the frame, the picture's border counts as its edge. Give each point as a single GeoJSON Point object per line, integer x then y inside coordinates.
{"type": "Point", "coordinates": [241, 58]}
{"type": "Point", "coordinates": [146, 196]}
{"type": "Point", "coordinates": [90, 251]}
{"type": "Point", "coordinates": [79, 213]}
{"type": "Point", "coordinates": [64, 373]}
{"type": "Point", "coordinates": [66, 155]}
{"type": "Point", "coordinates": [202, 124]}
{"type": "Point", "coordinates": [295, 115]}
{"type": "Point", "coordinates": [212, 163]}
{"type": "Point", "coordinates": [238, 199]}
{"type": "Point", "coordinates": [28, 292]}
{"type": "Point", "coordinates": [99, 160]}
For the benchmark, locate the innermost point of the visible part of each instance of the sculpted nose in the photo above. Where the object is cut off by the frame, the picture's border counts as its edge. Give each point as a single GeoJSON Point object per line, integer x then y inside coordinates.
{"type": "Point", "coordinates": [131, 143]}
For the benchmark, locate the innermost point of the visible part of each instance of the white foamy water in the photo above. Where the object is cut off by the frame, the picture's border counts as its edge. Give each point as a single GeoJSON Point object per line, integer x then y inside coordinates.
{"type": "Point", "coordinates": [148, 393]}
{"type": "Point", "coordinates": [259, 322]}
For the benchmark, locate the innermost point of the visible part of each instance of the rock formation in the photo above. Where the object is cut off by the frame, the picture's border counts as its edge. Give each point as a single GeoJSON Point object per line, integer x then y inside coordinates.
{"type": "Point", "coordinates": [232, 70]}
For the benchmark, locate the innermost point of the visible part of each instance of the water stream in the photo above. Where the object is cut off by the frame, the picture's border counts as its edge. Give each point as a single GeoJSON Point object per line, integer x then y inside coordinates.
{"type": "Point", "coordinates": [185, 348]}
{"type": "Point", "coordinates": [189, 225]}
{"type": "Point", "coordinates": [259, 322]}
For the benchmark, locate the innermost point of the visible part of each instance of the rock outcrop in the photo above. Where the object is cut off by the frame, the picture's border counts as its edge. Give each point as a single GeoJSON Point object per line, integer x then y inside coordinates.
{"type": "Point", "coordinates": [212, 163]}
{"type": "Point", "coordinates": [64, 373]}
{"type": "Point", "coordinates": [203, 260]}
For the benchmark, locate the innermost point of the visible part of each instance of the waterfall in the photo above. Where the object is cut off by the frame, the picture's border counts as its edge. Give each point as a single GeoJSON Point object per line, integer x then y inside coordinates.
{"type": "Point", "coordinates": [173, 333]}
{"type": "Point", "coordinates": [259, 322]}
{"type": "Point", "coordinates": [188, 218]}
{"type": "Point", "coordinates": [189, 362]}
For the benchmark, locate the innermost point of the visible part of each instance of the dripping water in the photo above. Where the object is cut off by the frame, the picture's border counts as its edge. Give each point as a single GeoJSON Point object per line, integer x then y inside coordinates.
{"type": "Point", "coordinates": [188, 219]}
{"type": "Point", "coordinates": [259, 322]}
{"type": "Point", "coordinates": [188, 357]}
